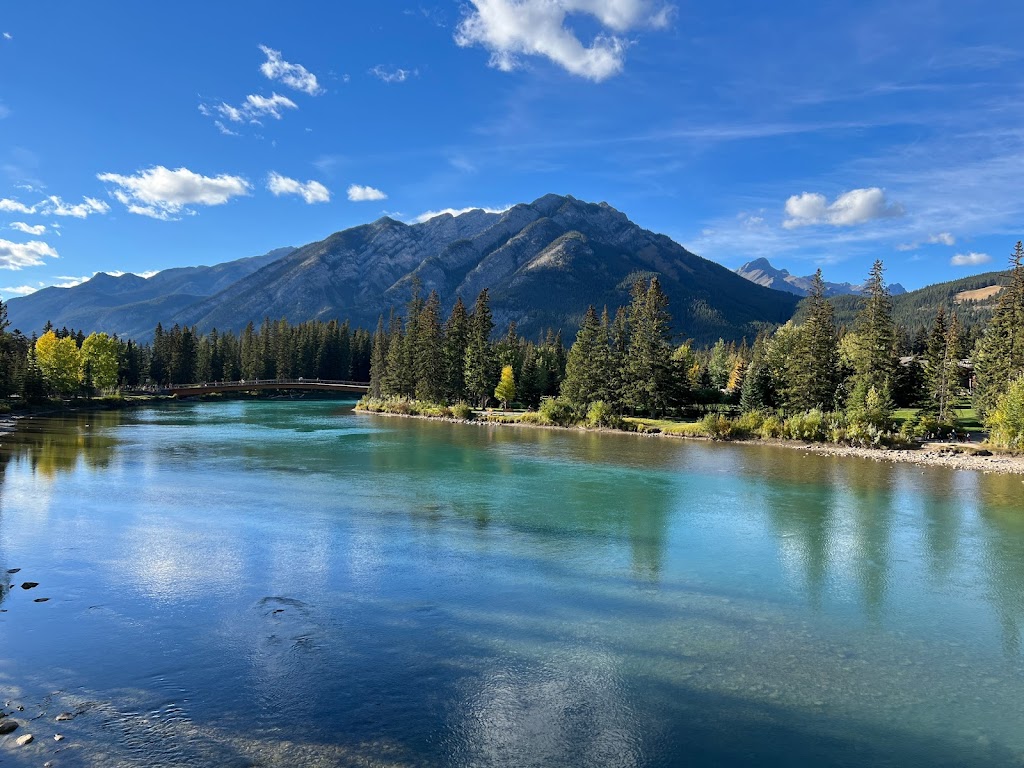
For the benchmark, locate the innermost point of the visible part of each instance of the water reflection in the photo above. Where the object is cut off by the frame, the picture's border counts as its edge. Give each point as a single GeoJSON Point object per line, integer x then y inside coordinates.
{"type": "Point", "coordinates": [52, 446]}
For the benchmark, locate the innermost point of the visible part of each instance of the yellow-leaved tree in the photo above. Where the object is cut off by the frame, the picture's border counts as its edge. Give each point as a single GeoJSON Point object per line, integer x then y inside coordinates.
{"type": "Point", "coordinates": [60, 360]}
{"type": "Point", "coordinates": [99, 352]}
{"type": "Point", "coordinates": [506, 391]}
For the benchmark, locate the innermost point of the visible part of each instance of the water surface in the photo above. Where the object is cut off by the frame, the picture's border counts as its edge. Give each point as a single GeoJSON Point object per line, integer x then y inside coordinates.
{"type": "Point", "coordinates": [289, 583]}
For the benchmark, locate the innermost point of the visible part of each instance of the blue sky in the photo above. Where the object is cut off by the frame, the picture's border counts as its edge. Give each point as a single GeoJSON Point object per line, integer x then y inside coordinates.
{"type": "Point", "coordinates": [141, 136]}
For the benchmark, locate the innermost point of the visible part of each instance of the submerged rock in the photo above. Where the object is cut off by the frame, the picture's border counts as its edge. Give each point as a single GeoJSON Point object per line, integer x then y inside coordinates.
{"type": "Point", "coordinates": [40, 600]}
{"type": "Point", "coordinates": [8, 726]}
{"type": "Point", "coordinates": [13, 570]}
{"type": "Point", "coordinates": [30, 584]}
{"type": "Point", "coordinates": [65, 716]}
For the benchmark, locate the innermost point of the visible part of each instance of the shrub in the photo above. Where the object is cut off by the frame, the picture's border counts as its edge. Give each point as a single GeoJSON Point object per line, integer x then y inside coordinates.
{"type": "Point", "coordinates": [1007, 419]}
{"type": "Point", "coordinates": [533, 417]}
{"type": "Point", "coordinates": [560, 412]}
{"type": "Point", "coordinates": [717, 426]}
{"type": "Point", "coordinates": [5, 407]}
{"type": "Point", "coordinates": [750, 423]}
{"type": "Point", "coordinates": [771, 428]}
{"type": "Point", "coordinates": [462, 411]}
{"type": "Point", "coordinates": [810, 426]}
{"type": "Point", "coordinates": [600, 414]}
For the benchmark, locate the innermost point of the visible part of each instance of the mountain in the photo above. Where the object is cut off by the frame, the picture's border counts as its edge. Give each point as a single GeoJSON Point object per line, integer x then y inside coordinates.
{"type": "Point", "coordinates": [761, 271]}
{"type": "Point", "coordinates": [129, 305]}
{"type": "Point", "coordinates": [973, 298]}
{"type": "Point", "coordinates": [543, 262]}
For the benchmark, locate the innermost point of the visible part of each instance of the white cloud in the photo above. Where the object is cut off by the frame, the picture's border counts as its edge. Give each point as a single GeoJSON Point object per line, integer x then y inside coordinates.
{"type": "Point", "coordinates": [252, 110]}
{"type": "Point", "coordinates": [397, 76]}
{"type": "Point", "coordinates": [311, 191]}
{"type": "Point", "coordinates": [359, 194]}
{"type": "Point", "coordinates": [8, 36]}
{"type": "Point", "coordinates": [19, 290]}
{"type": "Point", "coordinates": [970, 259]}
{"type": "Point", "coordinates": [943, 238]}
{"type": "Point", "coordinates": [428, 215]}
{"type": "Point", "coordinates": [513, 28]}
{"type": "Point", "coordinates": [163, 194]}
{"type": "Point", "coordinates": [293, 75]}
{"type": "Point", "coordinates": [858, 206]}
{"type": "Point", "coordinates": [19, 255]}
{"type": "Point", "coordinates": [29, 229]}
{"type": "Point", "coordinates": [55, 206]}
{"type": "Point", "coordinates": [13, 206]}
{"type": "Point", "coordinates": [70, 282]}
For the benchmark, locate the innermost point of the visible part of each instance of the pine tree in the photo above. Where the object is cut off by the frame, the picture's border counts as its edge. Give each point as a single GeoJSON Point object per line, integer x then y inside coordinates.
{"type": "Point", "coordinates": [942, 366]}
{"type": "Point", "coordinates": [648, 360]}
{"type": "Point", "coordinates": [456, 339]}
{"type": "Point", "coordinates": [378, 360]}
{"type": "Point", "coordinates": [479, 362]}
{"type": "Point", "coordinates": [583, 368]}
{"type": "Point", "coordinates": [429, 353]}
{"type": "Point", "coordinates": [813, 367]}
{"type": "Point", "coordinates": [874, 339]}
{"type": "Point", "coordinates": [999, 359]}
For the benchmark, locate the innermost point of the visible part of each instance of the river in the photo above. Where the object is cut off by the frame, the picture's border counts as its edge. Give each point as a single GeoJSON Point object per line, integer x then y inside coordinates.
{"type": "Point", "coordinates": [284, 583]}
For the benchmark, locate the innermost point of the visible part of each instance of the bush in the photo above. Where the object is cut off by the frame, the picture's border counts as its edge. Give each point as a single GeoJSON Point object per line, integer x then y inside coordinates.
{"type": "Point", "coordinates": [600, 414]}
{"type": "Point", "coordinates": [462, 411]}
{"type": "Point", "coordinates": [5, 407]}
{"type": "Point", "coordinates": [533, 417]}
{"type": "Point", "coordinates": [810, 426]}
{"type": "Point", "coordinates": [771, 428]}
{"type": "Point", "coordinates": [559, 412]}
{"type": "Point", "coordinates": [1007, 419]}
{"type": "Point", "coordinates": [717, 426]}
{"type": "Point", "coordinates": [750, 423]}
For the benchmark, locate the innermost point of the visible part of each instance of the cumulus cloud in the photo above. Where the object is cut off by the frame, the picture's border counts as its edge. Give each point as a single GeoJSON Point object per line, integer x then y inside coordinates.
{"type": "Point", "coordinates": [29, 229]}
{"type": "Point", "coordinates": [510, 29]}
{"type": "Point", "coordinates": [396, 76]}
{"type": "Point", "coordinates": [311, 191]}
{"type": "Point", "coordinates": [858, 206]}
{"type": "Point", "coordinates": [970, 259]}
{"type": "Point", "coordinates": [163, 194]}
{"type": "Point", "coordinates": [293, 75]}
{"type": "Point", "coordinates": [360, 194]}
{"type": "Point", "coordinates": [18, 290]}
{"type": "Point", "coordinates": [943, 238]}
{"type": "Point", "coordinates": [55, 206]}
{"type": "Point", "coordinates": [428, 215]}
{"type": "Point", "coordinates": [19, 255]}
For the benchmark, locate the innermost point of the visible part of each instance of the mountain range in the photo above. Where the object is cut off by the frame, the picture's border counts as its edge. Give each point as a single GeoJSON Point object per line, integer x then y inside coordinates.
{"type": "Point", "coordinates": [762, 272]}
{"type": "Point", "coordinates": [544, 262]}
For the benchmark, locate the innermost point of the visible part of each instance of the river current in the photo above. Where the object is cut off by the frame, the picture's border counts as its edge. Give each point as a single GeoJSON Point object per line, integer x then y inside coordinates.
{"type": "Point", "coordinates": [288, 583]}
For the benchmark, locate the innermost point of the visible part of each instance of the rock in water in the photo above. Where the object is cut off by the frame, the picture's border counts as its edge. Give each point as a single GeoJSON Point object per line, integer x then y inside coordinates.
{"type": "Point", "coordinates": [65, 716]}
{"type": "Point", "coordinates": [21, 741]}
{"type": "Point", "coordinates": [40, 600]}
{"type": "Point", "coordinates": [30, 584]}
{"type": "Point", "coordinates": [13, 570]}
{"type": "Point", "coordinates": [58, 737]}
{"type": "Point", "coordinates": [7, 726]}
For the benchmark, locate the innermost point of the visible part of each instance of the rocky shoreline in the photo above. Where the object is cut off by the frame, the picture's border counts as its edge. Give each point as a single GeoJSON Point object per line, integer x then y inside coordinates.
{"type": "Point", "coordinates": [977, 457]}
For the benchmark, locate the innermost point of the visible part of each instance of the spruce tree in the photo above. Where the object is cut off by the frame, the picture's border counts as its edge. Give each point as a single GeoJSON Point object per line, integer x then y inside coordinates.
{"type": "Point", "coordinates": [378, 360]}
{"type": "Point", "coordinates": [429, 353]}
{"type": "Point", "coordinates": [999, 359]}
{"type": "Point", "coordinates": [456, 338]}
{"type": "Point", "coordinates": [583, 365]}
{"type": "Point", "coordinates": [874, 341]}
{"type": "Point", "coordinates": [812, 371]}
{"type": "Point", "coordinates": [648, 360]}
{"type": "Point", "coordinates": [479, 361]}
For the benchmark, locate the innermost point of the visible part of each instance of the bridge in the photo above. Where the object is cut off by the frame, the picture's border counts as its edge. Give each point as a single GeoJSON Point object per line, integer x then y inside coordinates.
{"type": "Point", "coordinates": [251, 385]}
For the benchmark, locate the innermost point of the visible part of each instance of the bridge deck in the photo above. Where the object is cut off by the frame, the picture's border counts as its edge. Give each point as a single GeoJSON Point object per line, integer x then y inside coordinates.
{"type": "Point", "coordinates": [309, 385]}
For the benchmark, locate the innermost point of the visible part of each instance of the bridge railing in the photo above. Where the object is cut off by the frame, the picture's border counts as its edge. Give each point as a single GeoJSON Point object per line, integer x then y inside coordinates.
{"type": "Point", "coordinates": [269, 382]}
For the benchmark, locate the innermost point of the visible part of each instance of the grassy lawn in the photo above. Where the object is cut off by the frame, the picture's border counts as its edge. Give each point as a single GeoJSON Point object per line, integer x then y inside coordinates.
{"type": "Point", "coordinates": [967, 417]}
{"type": "Point", "coordinates": [668, 426]}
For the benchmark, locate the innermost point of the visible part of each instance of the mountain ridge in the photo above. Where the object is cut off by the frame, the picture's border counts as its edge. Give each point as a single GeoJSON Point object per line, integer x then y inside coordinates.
{"type": "Point", "coordinates": [761, 272]}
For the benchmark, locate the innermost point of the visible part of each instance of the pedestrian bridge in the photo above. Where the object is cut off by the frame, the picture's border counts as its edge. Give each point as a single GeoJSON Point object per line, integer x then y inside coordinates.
{"type": "Point", "coordinates": [251, 385]}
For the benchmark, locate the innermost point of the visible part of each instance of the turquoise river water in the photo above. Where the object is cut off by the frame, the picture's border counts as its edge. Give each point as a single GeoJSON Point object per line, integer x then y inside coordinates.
{"type": "Point", "coordinates": [288, 583]}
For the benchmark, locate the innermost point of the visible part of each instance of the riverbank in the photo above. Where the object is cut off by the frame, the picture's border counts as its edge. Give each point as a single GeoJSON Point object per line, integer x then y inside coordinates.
{"type": "Point", "coordinates": [977, 458]}
{"type": "Point", "coordinates": [9, 421]}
